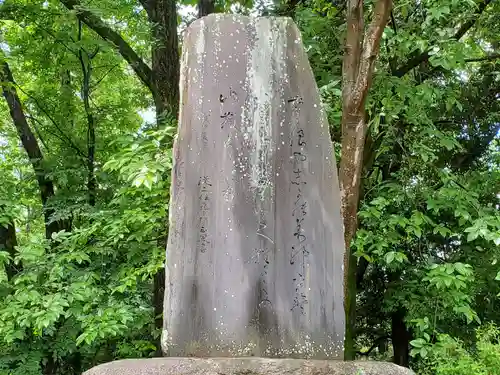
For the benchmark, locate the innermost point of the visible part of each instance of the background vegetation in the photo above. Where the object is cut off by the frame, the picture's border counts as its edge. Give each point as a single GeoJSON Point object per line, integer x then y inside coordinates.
{"type": "Point", "coordinates": [91, 95]}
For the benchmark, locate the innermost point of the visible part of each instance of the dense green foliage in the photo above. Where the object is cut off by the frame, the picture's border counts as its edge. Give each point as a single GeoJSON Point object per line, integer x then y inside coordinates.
{"type": "Point", "coordinates": [428, 243]}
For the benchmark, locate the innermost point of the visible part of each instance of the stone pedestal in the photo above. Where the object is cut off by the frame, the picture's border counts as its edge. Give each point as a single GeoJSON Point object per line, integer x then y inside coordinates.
{"type": "Point", "coordinates": [245, 366]}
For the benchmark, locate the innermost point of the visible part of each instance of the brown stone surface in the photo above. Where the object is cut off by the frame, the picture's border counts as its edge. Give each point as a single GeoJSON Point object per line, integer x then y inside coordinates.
{"type": "Point", "coordinates": [244, 366]}
{"type": "Point", "coordinates": [255, 251]}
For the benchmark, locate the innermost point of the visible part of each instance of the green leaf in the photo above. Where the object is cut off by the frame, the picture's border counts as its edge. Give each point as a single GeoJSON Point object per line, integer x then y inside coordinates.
{"type": "Point", "coordinates": [423, 352]}
{"type": "Point", "coordinates": [418, 343]}
{"type": "Point", "coordinates": [472, 236]}
{"type": "Point", "coordinates": [417, 231]}
{"type": "Point", "coordinates": [389, 257]}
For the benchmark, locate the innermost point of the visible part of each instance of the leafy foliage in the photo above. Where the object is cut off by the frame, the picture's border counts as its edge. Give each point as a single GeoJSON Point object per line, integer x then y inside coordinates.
{"type": "Point", "coordinates": [88, 291]}
{"type": "Point", "coordinates": [451, 356]}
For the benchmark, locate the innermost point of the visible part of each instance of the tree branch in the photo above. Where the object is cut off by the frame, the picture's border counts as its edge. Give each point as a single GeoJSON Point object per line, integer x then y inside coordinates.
{"type": "Point", "coordinates": [30, 145]}
{"type": "Point", "coordinates": [26, 135]}
{"type": "Point", "coordinates": [375, 344]}
{"type": "Point", "coordinates": [39, 135]}
{"type": "Point", "coordinates": [54, 122]}
{"type": "Point", "coordinates": [104, 76]}
{"type": "Point", "coordinates": [420, 58]}
{"type": "Point", "coordinates": [87, 72]}
{"type": "Point", "coordinates": [468, 25]}
{"type": "Point", "coordinates": [50, 33]}
{"type": "Point", "coordinates": [142, 70]}
{"type": "Point", "coordinates": [371, 45]}
{"type": "Point", "coordinates": [146, 4]}
{"type": "Point", "coordinates": [353, 44]}
{"type": "Point", "coordinates": [484, 58]}
{"type": "Point", "coordinates": [58, 136]}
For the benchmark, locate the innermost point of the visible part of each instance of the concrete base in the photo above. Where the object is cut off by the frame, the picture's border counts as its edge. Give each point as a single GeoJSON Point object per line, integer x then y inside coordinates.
{"type": "Point", "coordinates": [244, 366]}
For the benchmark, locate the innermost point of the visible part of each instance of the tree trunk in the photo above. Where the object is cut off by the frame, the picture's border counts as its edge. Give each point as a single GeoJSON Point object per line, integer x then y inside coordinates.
{"type": "Point", "coordinates": [361, 49]}
{"type": "Point", "coordinates": [415, 60]}
{"type": "Point", "coordinates": [350, 172]}
{"type": "Point", "coordinates": [205, 7]}
{"type": "Point", "coordinates": [158, 295]}
{"type": "Point", "coordinates": [8, 242]}
{"type": "Point", "coordinates": [290, 7]}
{"type": "Point", "coordinates": [400, 339]}
{"type": "Point", "coordinates": [162, 15]}
{"type": "Point", "coordinates": [31, 147]}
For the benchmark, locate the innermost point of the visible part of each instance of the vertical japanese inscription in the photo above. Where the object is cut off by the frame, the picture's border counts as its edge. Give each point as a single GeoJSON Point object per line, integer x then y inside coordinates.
{"type": "Point", "coordinates": [204, 185]}
{"type": "Point", "coordinates": [299, 249]}
{"type": "Point", "coordinates": [227, 116]}
{"type": "Point", "coordinates": [258, 255]}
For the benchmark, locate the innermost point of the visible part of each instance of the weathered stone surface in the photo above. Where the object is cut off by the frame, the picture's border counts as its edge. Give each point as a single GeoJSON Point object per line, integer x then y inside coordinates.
{"type": "Point", "coordinates": [255, 251]}
{"type": "Point", "coordinates": [245, 366]}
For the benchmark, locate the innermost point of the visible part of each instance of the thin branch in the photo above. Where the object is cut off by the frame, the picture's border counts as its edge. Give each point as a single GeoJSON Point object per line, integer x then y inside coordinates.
{"type": "Point", "coordinates": [94, 54]}
{"type": "Point", "coordinates": [56, 38]}
{"type": "Point", "coordinates": [375, 344]}
{"type": "Point", "coordinates": [87, 72]}
{"type": "Point", "coordinates": [104, 76]}
{"type": "Point", "coordinates": [420, 58]}
{"type": "Point", "coordinates": [484, 58]}
{"type": "Point", "coordinates": [53, 121]}
{"type": "Point", "coordinates": [57, 135]}
{"type": "Point", "coordinates": [393, 22]}
{"type": "Point", "coordinates": [34, 120]}
{"type": "Point", "coordinates": [142, 70]}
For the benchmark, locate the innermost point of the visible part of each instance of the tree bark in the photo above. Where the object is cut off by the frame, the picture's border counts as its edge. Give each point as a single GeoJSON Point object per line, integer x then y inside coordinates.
{"type": "Point", "coordinates": [400, 339]}
{"type": "Point", "coordinates": [158, 295]}
{"type": "Point", "coordinates": [205, 7]}
{"type": "Point", "coordinates": [8, 242]}
{"type": "Point", "coordinates": [162, 15]}
{"type": "Point", "coordinates": [358, 60]}
{"type": "Point", "coordinates": [361, 49]}
{"type": "Point", "coordinates": [31, 147]}
{"type": "Point", "coordinates": [85, 59]}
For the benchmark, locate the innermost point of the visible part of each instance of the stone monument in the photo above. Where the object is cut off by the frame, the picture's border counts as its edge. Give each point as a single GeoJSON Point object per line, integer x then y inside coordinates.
{"type": "Point", "coordinates": [254, 273]}
{"type": "Point", "coordinates": [255, 251]}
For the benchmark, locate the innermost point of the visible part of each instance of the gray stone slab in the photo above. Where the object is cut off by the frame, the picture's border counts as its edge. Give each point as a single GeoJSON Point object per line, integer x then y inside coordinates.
{"type": "Point", "coordinates": [255, 251]}
{"type": "Point", "coordinates": [244, 366]}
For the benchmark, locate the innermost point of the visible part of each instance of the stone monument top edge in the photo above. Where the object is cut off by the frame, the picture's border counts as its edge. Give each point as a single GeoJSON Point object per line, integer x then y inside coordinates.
{"type": "Point", "coordinates": [215, 17]}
